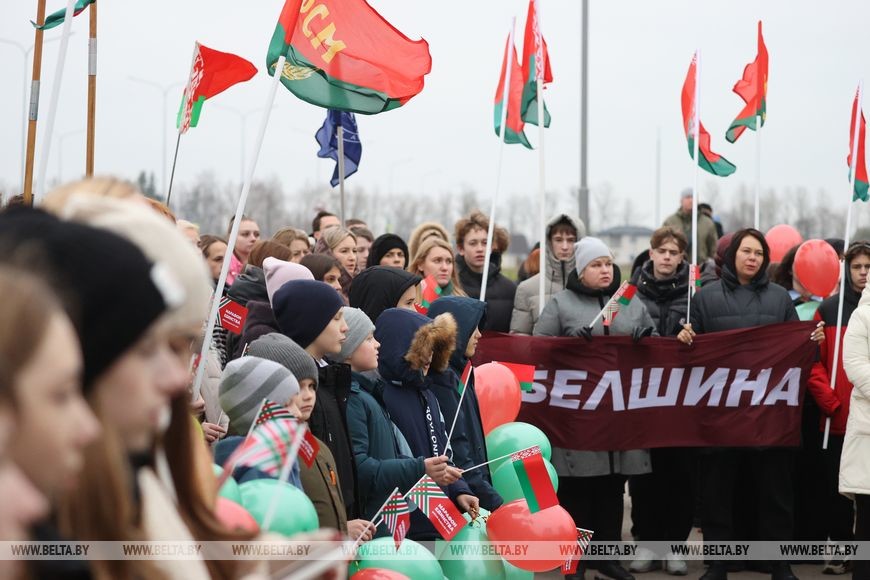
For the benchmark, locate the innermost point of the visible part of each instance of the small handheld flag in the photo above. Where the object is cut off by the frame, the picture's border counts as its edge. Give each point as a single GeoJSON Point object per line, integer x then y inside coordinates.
{"type": "Point", "coordinates": [622, 297]}
{"type": "Point", "coordinates": [525, 374]}
{"type": "Point", "coordinates": [437, 506]}
{"type": "Point", "coordinates": [430, 291]}
{"type": "Point", "coordinates": [534, 479]}
{"type": "Point", "coordinates": [397, 516]}
{"type": "Point", "coordinates": [271, 410]}
{"type": "Point", "coordinates": [584, 537]}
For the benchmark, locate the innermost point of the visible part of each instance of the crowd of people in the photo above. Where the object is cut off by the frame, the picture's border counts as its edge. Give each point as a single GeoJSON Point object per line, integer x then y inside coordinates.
{"type": "Point", "coordinates": [102, 437]}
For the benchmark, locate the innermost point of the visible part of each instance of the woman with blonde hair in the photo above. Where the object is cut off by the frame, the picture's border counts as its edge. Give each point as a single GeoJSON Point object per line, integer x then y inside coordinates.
{"type": "Point", "coordinates": [434, 258]}
{"type": "Point", "coordinates": [296, 240]}
{"type": "Point", "coordinates": [340, 243]}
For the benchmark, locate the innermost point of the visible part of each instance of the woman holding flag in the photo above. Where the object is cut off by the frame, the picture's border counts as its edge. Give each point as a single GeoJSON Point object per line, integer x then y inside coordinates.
{"type": "Point", "coordinates": [434, 258]}
{"type": "Point", "coordinates": [592, 483]}
{"type": "Point", "coordinates": [741, 298]}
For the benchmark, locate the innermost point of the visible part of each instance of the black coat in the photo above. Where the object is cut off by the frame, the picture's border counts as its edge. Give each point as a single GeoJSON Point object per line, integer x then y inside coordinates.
{"type": "Point", "coordinates": [260, 321]}
{"type": "Point", "coordinates": [727, 305]}
{"type": "Point", "coordinates": [328, 423]}
{"type": "Point", "coordinates": [500, 292]}
{"type": "Point", "coordinates": [250, 286]}
{"type": "Point", "coordinates": [665, 300]}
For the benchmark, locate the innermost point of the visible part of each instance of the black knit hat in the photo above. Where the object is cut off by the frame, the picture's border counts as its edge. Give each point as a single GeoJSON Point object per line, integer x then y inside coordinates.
{"type": "Point", "coordinates": [303, 308]}
{"type": "Point", "coordinates": [111, 292]}
{"type": "Point", "coordinates": [384, 244]}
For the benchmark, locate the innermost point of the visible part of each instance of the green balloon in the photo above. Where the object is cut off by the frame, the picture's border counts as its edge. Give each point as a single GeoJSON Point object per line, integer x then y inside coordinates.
{"type": "Point", "coordinates": [505, 482]}
{"type": "Point", "coordinates": [230, 489]}
{"type": "Point", "coordinates": [512, 437]}
{"type": "Point", "coordinates": [459, 568]}
{"type": "Point", "coordinates": [511, 572]}
{"type": "Point", "coordinates": [480, 522]}
{"type": "Point", "coordinates": [294, 512]}
{"type": "Point", "coordinates": [411, 559]}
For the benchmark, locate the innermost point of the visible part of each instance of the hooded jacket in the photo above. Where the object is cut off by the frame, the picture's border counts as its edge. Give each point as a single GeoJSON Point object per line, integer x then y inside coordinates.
{"type": "Point", "coordinates": [378, 447]}
{"type": "Point", "coordinates": [250, 286]}
{"type": "Point", "coordinates": [469, 441]}
{"type": "Point", "coordinates": [855, 459]}
{"type": "Point", "coordinates": [377, 288]}
{"type": "Point", "coordinates": [526, 302]}
{"type": "Point", "coordinates": [833, 403]}
{"type": "Point", "coordinates": [568, 312]}
{"type": "Point", "coordinates": [665, 300]}
{"type": "Point", "coordinates": [407, 341]}
{"type": "Point", "coordinates": [500, 291]}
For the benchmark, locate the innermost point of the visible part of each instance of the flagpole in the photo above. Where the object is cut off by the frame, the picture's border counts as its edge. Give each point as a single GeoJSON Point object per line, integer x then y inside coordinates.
{"type": "Point", "coordinates": [458, 408]}
{"type": "Point", "coordinates": [55, 95]}
{"type": "Point", "coordinates": [341, 170]}
{"type": "Point", "coordinates": [292, 455]}
{"type": "Point", "coordinates": [613, 298]}
{"type": "Point", "coordinates": [501, 137]}
{"type": "Point", "coordinates": [234, 232]}
{"type": "Point", "coordinates": [479, 465]}
{"type": "Point", "coordinates": [92, 91]}
{"type": "Point", "coordinates": [542, 195]}
{"type": "Point", "coordinates": [34, 103]}
{"type": "Point", "coordinates": [375, 521]}
{"type": "Point", "coordinates": [852, 171]}
{"type": "Point", "coordinates": [172, 173]}
{"type": "Point", "coordinates": [696, 114]}
{"type": "Point", "coordinates": [757, 171]}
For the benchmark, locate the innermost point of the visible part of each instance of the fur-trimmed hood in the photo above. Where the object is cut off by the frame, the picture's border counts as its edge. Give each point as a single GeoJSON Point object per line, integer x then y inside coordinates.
{"type": "Point", "coordinates": [407, 340]}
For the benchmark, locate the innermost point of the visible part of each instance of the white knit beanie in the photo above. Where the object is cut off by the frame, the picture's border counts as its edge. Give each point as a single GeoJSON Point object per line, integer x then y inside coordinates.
{"type": "Point", "coordinates": [589, 249]}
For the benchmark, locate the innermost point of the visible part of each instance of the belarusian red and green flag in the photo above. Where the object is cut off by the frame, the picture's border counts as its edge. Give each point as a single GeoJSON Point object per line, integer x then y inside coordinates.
{"type": "Point", "coordinates": [56, 18]}
{"type": "Point", "coordinates": [430, 291]}
{"type": "Point", "coordinates": [536, 67]}
{"type": "Point", "coordinates": [466, 376]}
{"type": "Point", "coordinates": [862, 184]}
{"type": "Point", "coordinates": [343, 55]}
{"type": "Point", "coordinates": [622, 297]}
{"type": "Point", "coordinates": [525, 374]}
{"type": "Point", "coordinates": [710, 161]}
{"type": "Point", "coordinates": [513, 132]}
{"type": "Point", "coordinates": [266, 448]}
{"type": "Point", "coordinates": [752, 88]}
{"type": "Point", "coordinates": [397, 516]}
{"type": "Point", "coordinates": [211, 73]}
{"type": "Point", "coordinates": [534, 479]}
{"type": "Point", "coordinates": [272, 410]}
{"type": "Point", "coordinates": [437, 507]}
{"type": "Point", "coordinates": [584, 538]}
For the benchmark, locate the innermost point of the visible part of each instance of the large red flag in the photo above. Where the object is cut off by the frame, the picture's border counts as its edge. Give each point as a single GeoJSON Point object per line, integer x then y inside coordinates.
{"type": "Point", "coordinates": [862, 185]}
{"type": "Point", "coordinates": [752, 88]}
{"type": "Point", "coordinates": [712, 162]}
{"type": "Point", "coordinates": [536, 66]}
{"type": "Point", "coordinates": [513, 132]}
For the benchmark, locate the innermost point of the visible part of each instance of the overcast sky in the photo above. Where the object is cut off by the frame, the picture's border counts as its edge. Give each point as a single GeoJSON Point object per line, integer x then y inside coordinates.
{"type": "Point", "coordinates": [443, 139]}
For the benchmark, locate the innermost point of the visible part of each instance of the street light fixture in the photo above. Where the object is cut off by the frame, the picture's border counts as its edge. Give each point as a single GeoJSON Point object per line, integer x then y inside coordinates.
{"type": "Point", "coordinates": [25, 57]}
{"type": "Point", "coordinates": [164, 90]}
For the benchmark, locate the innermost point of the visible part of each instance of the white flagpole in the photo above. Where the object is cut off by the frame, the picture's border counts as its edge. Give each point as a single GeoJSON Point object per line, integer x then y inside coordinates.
{"type": "Point", "coordinates": [696, 119]}
{"type": "Point", "coordinates": [52, 104]}
{"type": "Point", "coordinates": [375, 521]}
{"type": "Point", "coordinates": [292, 455]}
{"type": "Point", "coordinates": [341, 168]}
{"type": "Point", "coordinates": [616, 296]}
{"type": "Point", "coordinates": [837, 337]}
{"type": "Point", "coordinates": [542, 195]}
{"type": "Point", "coordinates": [757, 172]}
{"type": "Point", "coordinates": [479, 465]}
{"type": "Point", "coordinates": [234, 232]}
{"type": "Point", "coordinates": [458, 408]}
{"type": "Point", "coordinates": [505, 105]}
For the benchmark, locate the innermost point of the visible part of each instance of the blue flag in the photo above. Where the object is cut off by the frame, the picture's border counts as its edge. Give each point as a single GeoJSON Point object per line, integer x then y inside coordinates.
{"type": "Point", "coordinates": [327, 138]}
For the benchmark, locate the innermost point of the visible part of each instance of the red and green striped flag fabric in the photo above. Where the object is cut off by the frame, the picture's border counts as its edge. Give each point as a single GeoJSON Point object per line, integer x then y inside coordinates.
{"type": "Point", "coordinates": [430, 291]}
{"type": "Point", "coordinates": [752, 88]}
{"type": "Point", "coordinates": [710, 161]}
{"type": "Point", "coordinates": [525, 374]}
{"type": "Point", "coordinates": [622, 297]}
{"type": "Point", "coordinates": [397, 516]}
{"type": "Point", "coordinates": [695, 276]}
{"type": "Point", "coordinates": [266, 448]}
{"type": "Point", "coordinates": [862, 185]}
{"type": "Point", "coordinates": [343, 55]}
{"type": "Point", "coordinates": [584, 538]}
{"type": "Point", "coordinates": [513, 132]}
{"type": "Point", "coordinates": [626, 293]}
{"type": "Point", "coordinates": [536, 67]}
{"type": "Point", "coordinates": [534, 479]}
{"type": "Point", "coordinates": [57, 18]}
{"type": "Point", "coordinates": [272, 410]}
{"type": "Point", "coordinates": [466, 376]}
{"type": "Point", "coordinates": [437, 506]}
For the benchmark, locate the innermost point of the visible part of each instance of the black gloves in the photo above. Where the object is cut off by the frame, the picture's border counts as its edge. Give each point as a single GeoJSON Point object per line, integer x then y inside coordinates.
{"type": "Point", "coordinates": [584, 331]}
{"type": "Point", "coordinates": [641, 332]}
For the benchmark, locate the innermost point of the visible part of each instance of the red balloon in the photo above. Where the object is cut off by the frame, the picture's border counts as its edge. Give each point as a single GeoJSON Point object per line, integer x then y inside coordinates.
{"type": "Point", "coordinates": [498, 393]}
{"type": "Point", "coordinates": [817, 267]}
{"type": "Point", "coordinates": [234, 516]}
{"type": "Point", "coordinates": [781, 239]}
{"type": "Point", "coordinates": [549, 529]}
{"type": "Point", "coordinates": [378, 574]}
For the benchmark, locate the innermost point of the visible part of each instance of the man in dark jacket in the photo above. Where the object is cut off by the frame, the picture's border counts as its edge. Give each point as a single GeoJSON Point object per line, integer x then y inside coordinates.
{"type": "Point", "coordinates": [411, 344]}
{"type": "Point", "coordinates": [468, 440]}
{"type": "Point", "coordinates": [309, 312]}
{"type": "Point", "coordinates": [471, 234]}
{"type": "Point", "coordinates": [662, 502]}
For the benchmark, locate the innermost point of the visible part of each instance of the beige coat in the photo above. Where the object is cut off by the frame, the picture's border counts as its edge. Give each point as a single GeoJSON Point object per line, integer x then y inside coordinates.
{"type": "Point", "coordinates": [855, 460]}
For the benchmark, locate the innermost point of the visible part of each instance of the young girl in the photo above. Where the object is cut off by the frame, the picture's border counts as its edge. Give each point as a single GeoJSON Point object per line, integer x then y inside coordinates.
{"type": "Point", "coordinates": [249, 233]}
{"type": "Point", "coordinates": [341, 244]}
{"type": "Point", "coordinates": [213, 250]}
{"type": "Point", "coordinates": [326, 269]}
{"type": "Point", "coordinates": [296, 240]}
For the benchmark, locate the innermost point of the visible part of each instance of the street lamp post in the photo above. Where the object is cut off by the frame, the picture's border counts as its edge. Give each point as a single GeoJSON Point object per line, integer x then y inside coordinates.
{"type": "Point", "coordinates": [164, 90]}
{"type": "Point", "coordinates": [25, 56]}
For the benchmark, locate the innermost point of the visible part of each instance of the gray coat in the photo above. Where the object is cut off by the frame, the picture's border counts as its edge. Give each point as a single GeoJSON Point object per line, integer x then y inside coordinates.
{"type": "Point", "coordinates": [568, 312]}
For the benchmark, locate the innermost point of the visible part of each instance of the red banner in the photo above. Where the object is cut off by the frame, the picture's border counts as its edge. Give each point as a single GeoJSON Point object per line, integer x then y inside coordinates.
{"type": "Point", "coordinates": [741, 388]}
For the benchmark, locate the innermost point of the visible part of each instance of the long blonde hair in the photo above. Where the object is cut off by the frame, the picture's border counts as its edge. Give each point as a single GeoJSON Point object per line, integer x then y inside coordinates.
{"type": "Point", "coordinates": [415, 266]}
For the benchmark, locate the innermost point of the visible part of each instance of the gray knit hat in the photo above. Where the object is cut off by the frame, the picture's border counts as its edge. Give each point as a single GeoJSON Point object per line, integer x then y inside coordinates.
{"type": "Point", "coordinates": [589, 249]}
{"type": "Point", "coordinates": [246, 382]}
{"type": "Point", "coordinates": [284, 351]}
{"type": "Point", "coordinates": [359, 327]}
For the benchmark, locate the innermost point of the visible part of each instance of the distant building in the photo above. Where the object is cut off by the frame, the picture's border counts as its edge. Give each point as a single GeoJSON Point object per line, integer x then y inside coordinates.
{"type": "Point", "coordinates": [626, 242]}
